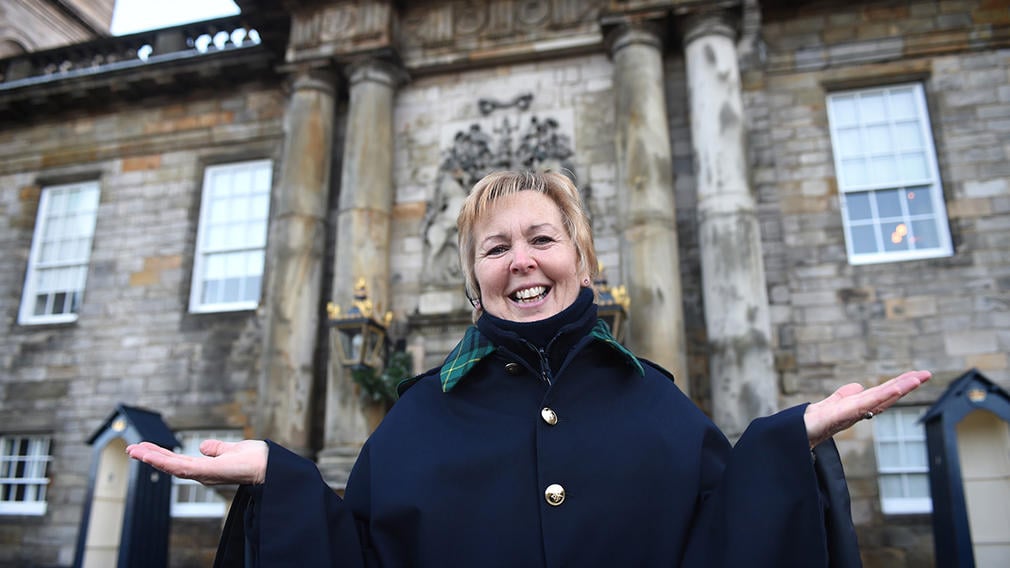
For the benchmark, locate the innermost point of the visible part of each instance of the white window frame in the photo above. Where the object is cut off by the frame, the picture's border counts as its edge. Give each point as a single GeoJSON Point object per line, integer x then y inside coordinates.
{"type": "Point", "coordinates": [213, 504]}
{"type": "Point", "coordinates": [930, 182]}
{"type": "Point", "coordinates": [53, 236]}
{"type": "Point", "coordinates": [910, 465]}
{"type": "Point", "coordinates": [205, 249]}
{"type": "Point", "coordinates": [34, 474]}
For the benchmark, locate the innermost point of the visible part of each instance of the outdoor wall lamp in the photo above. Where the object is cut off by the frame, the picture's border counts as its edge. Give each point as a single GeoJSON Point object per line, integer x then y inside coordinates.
{"type": "Point", "coordinates": [613, 304]}
{"type": "Point", "coordinates": [357, 338]}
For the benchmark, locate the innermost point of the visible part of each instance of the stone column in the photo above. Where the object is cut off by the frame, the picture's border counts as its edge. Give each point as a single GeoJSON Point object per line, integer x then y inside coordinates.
{"type": "Point", "coordinates": [744, 382]}
{"type": "Point", "coordinates": [362, 244]}
{"type": "Point", "coordinates": [651, 262]}
{"type": "Point", "coordinates": [297, 236]}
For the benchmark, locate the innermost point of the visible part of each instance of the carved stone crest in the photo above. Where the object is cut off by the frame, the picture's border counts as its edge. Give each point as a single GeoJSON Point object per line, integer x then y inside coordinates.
{"type": "Point", "coordinates": [513, 139]}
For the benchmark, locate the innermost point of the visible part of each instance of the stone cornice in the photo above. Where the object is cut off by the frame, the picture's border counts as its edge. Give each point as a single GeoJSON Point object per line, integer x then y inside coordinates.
{"type": "Point", "coordinates": [129, 68]}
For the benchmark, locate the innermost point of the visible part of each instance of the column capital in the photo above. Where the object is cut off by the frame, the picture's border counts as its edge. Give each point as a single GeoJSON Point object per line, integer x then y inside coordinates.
{"type": "Point", "coordinates": [317, 74]}
{"type": "Point", "coordinates": [708, 22]}
{"type": "Point", "coordinates": [624, 32]}
{"type": "Point", "coordinates": [376, 69]}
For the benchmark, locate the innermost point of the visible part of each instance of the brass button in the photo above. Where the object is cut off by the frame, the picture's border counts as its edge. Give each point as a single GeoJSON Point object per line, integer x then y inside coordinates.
{"type": "Point", "coordinates": [555, 495]}
{"type": "Point", "coordinates": [549, 416]}
{"type": "Point", "coordinates": [513, 368]}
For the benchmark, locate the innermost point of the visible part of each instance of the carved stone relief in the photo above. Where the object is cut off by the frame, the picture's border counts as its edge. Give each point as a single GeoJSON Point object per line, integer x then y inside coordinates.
{"type": "Point", "coordinates": [508, 137]}
{"type": "Point", "coordinates": [496, 19]}
{"type": "Point", "coordinates": [345, 26]}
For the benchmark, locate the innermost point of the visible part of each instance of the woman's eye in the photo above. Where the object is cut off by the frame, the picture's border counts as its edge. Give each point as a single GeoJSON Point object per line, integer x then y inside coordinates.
{"type": "Point", "coordinates": [542, 240]}
{"type": "Point", "coordinates": [495, 251]}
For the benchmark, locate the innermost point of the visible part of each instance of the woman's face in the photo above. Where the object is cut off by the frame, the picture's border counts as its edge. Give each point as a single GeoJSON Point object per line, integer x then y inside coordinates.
{"type": "Point", "coordinates": [525, 262]}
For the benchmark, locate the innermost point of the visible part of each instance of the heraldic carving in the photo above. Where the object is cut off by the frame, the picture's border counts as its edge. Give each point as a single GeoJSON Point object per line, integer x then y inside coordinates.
{"type": "Point", "coordinates": [509, 142]}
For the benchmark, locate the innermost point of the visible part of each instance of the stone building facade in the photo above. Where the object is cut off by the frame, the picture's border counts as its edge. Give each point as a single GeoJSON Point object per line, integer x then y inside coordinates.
{"type": "Point", "coordinates": [708, 141]}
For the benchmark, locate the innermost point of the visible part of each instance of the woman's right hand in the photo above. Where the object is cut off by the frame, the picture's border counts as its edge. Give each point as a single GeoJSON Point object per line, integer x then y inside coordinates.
{"type": "Point", "coordinates": [222, 463]}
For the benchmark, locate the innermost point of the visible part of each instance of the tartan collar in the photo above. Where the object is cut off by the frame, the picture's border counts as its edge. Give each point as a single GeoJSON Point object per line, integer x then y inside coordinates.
{"type": "Point", "coordinates": [475, 346]}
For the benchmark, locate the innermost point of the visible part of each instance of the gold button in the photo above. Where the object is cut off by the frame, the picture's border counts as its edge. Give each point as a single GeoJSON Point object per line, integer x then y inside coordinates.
{"type": "Point", "coordinates": [513, 368]}
{"type": "Point", "coordinates": [555, 495]}
{"type": "Point", "coordinates": [549, 416]}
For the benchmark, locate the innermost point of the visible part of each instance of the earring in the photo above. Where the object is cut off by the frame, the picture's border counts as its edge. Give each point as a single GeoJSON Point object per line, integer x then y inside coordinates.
{"type": "Point", "coordinates": [585, 282]}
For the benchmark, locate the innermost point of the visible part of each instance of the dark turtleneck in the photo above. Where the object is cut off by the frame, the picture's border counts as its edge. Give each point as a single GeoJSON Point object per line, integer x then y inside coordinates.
{"type": "Point", "coordinates": [555, 335]}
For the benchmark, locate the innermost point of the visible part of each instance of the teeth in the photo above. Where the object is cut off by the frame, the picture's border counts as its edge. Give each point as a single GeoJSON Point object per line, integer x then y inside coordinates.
{"type": "Point", "coordinates": [530, 293]}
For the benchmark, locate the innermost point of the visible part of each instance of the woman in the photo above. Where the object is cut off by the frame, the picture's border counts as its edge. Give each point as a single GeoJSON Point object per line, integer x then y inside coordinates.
{"type": "Point", "coordinates": [542, 441]}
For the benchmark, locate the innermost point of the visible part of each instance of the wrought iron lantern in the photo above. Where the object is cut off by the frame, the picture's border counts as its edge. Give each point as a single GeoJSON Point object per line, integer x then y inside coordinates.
{"type": "Point", "coordinates": [360, 339]}
{"type": "Point", "coordinates": [613, 305]}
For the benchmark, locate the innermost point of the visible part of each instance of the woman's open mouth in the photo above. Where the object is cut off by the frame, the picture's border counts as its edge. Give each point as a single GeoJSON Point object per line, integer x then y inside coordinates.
{"type": "Point", "coordinates": [530, 295]}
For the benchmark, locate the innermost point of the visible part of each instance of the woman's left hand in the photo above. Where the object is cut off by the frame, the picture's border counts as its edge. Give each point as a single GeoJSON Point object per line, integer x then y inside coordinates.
{"type": "Point", "coordinates": [852, 403]}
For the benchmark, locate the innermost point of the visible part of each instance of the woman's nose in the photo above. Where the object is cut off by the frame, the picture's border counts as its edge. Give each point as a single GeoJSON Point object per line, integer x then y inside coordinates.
{"type": "Point", "coordinates": [522, 261]}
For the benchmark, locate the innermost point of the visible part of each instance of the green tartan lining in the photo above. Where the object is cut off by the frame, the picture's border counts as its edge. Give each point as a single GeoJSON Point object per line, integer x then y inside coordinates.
{"type": "Point", "coordinates": [465, 356]}
{"type": "Point", "coordinates": [474, 347]}
{"type": "Point", "coordinates": [602, 332]}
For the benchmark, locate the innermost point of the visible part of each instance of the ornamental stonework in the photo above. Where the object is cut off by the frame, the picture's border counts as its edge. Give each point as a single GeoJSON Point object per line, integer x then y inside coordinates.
{"type": "Point", "coordinates": [345, 27]}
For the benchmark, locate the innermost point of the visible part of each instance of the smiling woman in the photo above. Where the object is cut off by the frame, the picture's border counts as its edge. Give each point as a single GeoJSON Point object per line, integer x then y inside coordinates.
{"type": "Point", "coordinates": [131, 16]}
{"type": "Point", "coordinates": [542, 441]}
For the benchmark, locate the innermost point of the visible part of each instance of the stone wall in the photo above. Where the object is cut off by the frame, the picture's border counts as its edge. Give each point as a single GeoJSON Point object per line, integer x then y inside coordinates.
{"type": "Point", "coordinates": [836, 323]}
{"type": "Point", "coordinates": [134, 341]}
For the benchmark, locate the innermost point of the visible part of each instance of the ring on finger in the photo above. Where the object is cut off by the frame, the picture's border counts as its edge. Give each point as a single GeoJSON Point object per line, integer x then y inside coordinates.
{"type": "Point", "coordinates": [868, 415]}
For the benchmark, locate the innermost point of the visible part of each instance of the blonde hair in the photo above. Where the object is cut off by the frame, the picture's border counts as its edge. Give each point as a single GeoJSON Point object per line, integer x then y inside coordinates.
{"type": "Point", "coordinates": [497, 185]}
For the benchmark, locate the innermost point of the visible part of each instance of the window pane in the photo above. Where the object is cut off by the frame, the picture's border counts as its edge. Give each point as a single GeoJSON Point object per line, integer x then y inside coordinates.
{"type": "Point", "coordinates": [908, 419]}
{"type": "Point", "coordinates": [918, 485]}
{"type": "Point", "coordinates": [242, 182]}
{"type": "Point", "coordinates": [849, 142]}
{"type": "Point", "coordinates": [889, 455]}
{"type": "Point", "coordinates": [885, 426]}
{"type": "Point", "coordinates": [907, 136]}
{"type": "Point", "coordinates": [58, 203]}
{"type": "Point", "coordinates": [260, 206]}
{"type": "Point", "coordinates": [211, 292]}
{"type": "Point", "coordinates": [926, 235]}
{"type": "Point", "coordinates": [235, 236]}
{"type": "Point", "coordinates": [912, 167]}
{"type": "Point", "coordinates": [216, 237]}
{"type": "Point", "coordinates": [902, 104]}
{"type": "Point", "coordinates": [890, 486]}
{"type": "Point", "coordinates": [844, 110]}
{"type": "Point", "coordinates": [878, 139]}
{"type": "Point", "coordinates": [252, 288]}
{"type": "Point", "coordinates": [915, 454]}
{"type": "Point", "coordinates": [854, 172]}
{"type": "Point", "coordinates": [919, 202]}
{"type": "Point", "coordinates": [883, 169]}
{"type": "Point", "coordinates": [261, 181]}
{"type": "Point", "coordinates": [871, 108]}
{"type": "Point", "coordinates": [888, 203]}
{"type": "Point", "coordinates": [896, 236]}
{"type": "Point", "coordinates": [857, 205]}
{"type": "Point", "coordinates": [864, 239]}
{"type": "Point", "coordinates": [231, 290]}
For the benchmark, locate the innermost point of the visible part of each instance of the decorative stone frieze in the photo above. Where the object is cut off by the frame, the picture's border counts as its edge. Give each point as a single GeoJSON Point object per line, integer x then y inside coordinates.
{"type": "Point", "coordinates": [342, 28]}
